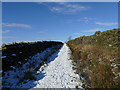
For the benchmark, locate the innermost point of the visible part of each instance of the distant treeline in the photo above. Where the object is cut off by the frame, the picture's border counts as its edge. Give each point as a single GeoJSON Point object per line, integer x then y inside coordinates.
{"type": "Point", "coordinates": [15, 52]}
{"type": "Point", "coordinates": [97, 58]}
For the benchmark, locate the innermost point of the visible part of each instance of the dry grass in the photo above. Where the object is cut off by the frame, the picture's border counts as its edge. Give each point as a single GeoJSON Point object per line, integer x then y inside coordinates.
{"type": "Point", "coordinates": [93, 62]}
{"type": "Point", "coordinates": [97, 58]}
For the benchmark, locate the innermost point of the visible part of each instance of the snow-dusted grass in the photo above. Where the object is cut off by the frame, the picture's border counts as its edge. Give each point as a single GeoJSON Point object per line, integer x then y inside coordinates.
{"type": "Point", "coordinates": [99, 68]}
{"type": "Point", "coordinates": [26, 73]}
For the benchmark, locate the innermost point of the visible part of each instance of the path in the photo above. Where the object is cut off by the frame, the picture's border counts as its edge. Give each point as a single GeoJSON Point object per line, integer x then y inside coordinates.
{"type": "Point", "coordinates": [59, 72]}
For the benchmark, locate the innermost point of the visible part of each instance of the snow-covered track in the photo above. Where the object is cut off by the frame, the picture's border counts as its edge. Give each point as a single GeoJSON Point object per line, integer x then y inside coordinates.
{"type": "Point", "coordinates": [59, 72]}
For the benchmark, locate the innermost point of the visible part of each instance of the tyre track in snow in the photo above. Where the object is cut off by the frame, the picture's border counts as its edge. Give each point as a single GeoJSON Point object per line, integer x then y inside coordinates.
{"type": "Point", "coordinates": [59, 72]}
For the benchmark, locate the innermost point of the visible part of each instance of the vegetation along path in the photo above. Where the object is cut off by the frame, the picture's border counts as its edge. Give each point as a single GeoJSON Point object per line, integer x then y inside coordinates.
{"type": "Point", "coordinates": [59, 72]}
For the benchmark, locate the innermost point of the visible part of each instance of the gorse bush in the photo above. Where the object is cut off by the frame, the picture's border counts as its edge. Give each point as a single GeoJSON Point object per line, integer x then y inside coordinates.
{"type": "Point", "coordinates": [97, 58]}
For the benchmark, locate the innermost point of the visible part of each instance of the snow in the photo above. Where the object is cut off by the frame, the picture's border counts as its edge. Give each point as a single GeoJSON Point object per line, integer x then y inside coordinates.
{"type": "Point", "coordinates": [110, 45]}
{"type": "Point", "coordinates": [12, 79]}
{"type": "Point", "coordinates": [12, 67]}
{"type": "Point", "coordinates": [113, 65]}
{"type": "Point", "coordinates": [19, 62]}
{"type": "Point", "coordinates": [20, 52]}
{"type": "Point", "coordinates": [111, 60]}
{"type": "Point", "coordinates": [56, 73]}
{"type": "Point", "coordinates": [13, 54]}
{"type": "Point", "coordinates": [4, 56]}
{"type": "Point", "coordinates": [59, 73]}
